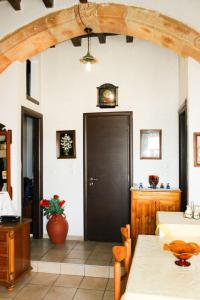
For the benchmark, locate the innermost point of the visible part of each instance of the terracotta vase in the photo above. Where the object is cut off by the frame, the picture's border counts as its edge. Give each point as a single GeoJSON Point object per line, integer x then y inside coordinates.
{"type": "Point", "coordinates": [57, 228]}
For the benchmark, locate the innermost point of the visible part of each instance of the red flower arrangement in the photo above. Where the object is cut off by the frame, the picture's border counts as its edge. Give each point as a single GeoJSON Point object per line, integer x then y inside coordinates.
{"type": "Point", "coordinates": [54, 206]}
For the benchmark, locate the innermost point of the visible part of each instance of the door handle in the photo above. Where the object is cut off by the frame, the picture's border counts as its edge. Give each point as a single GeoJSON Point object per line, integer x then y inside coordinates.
{"type": "Point", "coordinates": [91, 181]}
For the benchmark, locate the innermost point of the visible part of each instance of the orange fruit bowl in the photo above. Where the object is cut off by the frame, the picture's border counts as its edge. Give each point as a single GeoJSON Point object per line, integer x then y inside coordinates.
{"type": "Point", "coordinates": [183, 251]}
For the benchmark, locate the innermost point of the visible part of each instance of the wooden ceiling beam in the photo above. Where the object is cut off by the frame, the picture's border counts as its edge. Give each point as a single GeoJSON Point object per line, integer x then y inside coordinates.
{"type": "Point", "coordinates": [83, 1]}
{"type": "Point", "coordinates": [48, 3]}
{"type": "Point", "coordinates": [76, 41]}
{"type": "Point", "coordinates": [102, 38]}
{"type": "Point", "coordinates": [15, 4]}
{"type": "Point", "coordinates": [129, 39]}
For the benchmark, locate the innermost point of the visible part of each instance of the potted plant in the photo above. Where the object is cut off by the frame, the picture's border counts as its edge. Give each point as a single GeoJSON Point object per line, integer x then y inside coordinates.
{"type": "Point", "coordinates": [57, 225]}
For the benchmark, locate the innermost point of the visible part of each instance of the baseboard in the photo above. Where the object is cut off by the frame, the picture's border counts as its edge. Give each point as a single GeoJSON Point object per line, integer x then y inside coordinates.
{"type": "Point", "coordinates": [69, 237]}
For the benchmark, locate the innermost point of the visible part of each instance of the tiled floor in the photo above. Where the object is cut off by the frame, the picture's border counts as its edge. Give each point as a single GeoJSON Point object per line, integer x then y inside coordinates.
{"type": "Point", "coordinates": [80, 252]}
{"type": "Point", "coordinates": [46, 286]}
{"type": "Point", "coordinates": [73, 258]}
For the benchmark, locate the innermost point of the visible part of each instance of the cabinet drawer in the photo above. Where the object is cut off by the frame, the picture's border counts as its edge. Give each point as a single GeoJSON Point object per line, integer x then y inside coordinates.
{"type": "Point", "coordinates": [3, 262]}
{"type": "Point", "coordinates": [3, 275]}
{"type": "Point", "coordinates": [3, 248]}
{"type": "Point", "coordinates": [3, 236]}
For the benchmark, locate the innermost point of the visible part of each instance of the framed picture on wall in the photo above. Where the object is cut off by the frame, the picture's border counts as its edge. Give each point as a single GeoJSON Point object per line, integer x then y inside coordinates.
{"type": "Point", "coordinates": [66, 143]}
{"type": "Point", "coordinates": [107, 95]}
{"type": "Point", "coordinates": [196, 137]}
{"type": "Point", "coordinates": [151, 144]}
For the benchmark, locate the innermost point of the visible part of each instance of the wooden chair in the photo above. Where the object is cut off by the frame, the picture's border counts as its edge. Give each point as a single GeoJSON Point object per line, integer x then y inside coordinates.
{"type": "Point", "coordinates": [121, 254]}
{"type": "Point", "coordinates": [126, 232]}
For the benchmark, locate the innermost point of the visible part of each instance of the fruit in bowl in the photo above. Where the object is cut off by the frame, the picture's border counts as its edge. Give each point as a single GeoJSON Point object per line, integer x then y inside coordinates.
{"type": "Point", "coordinates": [183, 251]}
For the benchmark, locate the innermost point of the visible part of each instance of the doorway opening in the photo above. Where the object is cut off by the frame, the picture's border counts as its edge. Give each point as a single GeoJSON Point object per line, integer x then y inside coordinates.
{"type": "Point", "coordinates": [107, 174]}
{"type": "Point", "coordinates": [183, 169]}
{"type": "Point", "coordinates": [32, 169]}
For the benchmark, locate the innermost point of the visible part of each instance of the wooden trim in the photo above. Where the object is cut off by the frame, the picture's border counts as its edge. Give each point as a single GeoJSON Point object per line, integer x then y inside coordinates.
{"type": "Point", "coordinates": [183, 107]}
{"type": "Point", "coordinates": [100, 114]}
{"type": "Point", "coordinates": [195, 135]}
{"type": "Point", "coordinates": [160, 143]}
{"type": "Point", "coordinates": [32, 100]}
{"type": "Point", "coordinates": [8, 161]}
{"type": "Point", "coordinates": [26, 112]}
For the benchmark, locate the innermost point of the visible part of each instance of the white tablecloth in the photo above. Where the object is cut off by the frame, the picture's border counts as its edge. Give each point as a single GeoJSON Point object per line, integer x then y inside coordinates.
{"type": "Point", "coordinates": [174, 224]}
{"type": "Point", "coordinates": [154, 275]}
{"type": "Point", "coordinates": [6, 206]}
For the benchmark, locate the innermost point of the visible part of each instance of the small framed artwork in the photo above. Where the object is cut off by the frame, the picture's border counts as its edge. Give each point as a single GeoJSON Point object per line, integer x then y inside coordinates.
{"type": "Point", "coordinates": [66, 143]}
{"type": "Point", "coordinates": [151, 144]}
{"type": "Point", "coordinates": [107, 95]}
{"type": "Point", "coordinates": [196, 137]}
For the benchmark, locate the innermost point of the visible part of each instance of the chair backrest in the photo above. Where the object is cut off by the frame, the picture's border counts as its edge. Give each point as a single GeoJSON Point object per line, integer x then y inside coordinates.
{"type": "Point", "coordinates": [126, 237]}
{"type": "Point", "coordinates": [126, 232]}
{"type": "Point", "coordinates": [121, 254]}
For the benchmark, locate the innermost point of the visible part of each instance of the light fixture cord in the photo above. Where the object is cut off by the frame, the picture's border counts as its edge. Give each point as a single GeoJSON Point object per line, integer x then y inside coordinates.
{"type": "Point", "coordinates": [88, 44]}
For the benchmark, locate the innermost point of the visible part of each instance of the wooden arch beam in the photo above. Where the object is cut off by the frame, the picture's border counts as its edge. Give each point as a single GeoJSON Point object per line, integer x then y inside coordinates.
{"type": "Point", "coordinates": [111, 18]}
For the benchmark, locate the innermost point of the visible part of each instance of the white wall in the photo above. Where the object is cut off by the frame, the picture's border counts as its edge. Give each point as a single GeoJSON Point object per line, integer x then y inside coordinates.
{"type": "Point", "coordinates": [183, 80]}
{"type": "Point", "coordinates": [186, 11]}
{"type": "Point", "coordinates": [148, 86]}
{"type": "Point", "coordinates": [193, 126]}
{"type": "Point", "coordinates": [13, 96]}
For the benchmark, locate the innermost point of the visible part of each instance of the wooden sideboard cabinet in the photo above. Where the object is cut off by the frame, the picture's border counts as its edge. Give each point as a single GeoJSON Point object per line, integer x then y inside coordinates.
{"type": "Point", "coordinates": [14, 251]}
{"type": "Point", "coordinates": [144, 205]}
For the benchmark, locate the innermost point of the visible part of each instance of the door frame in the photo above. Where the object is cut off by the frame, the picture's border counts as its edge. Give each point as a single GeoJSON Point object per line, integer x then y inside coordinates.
{"type": "Point", "coordinates": [97, 114]}
{"type": "Point", "coordinates": [26, 112]}
{"type": "Point", "coordinates": [183, 110]}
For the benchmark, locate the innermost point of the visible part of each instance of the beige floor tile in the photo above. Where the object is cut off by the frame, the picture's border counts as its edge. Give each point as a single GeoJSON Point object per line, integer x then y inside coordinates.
{"type": "Point", "coordinates": [68, 281]}
{"type": "Point", "coordinates": [74, 260]}
{"type": "Point", "coordinates": [97, 262]}
{"type": "Point", "coordinates": [35, 257]}
{"type": "Point", "coordinates": [98, 251]}
{"type": "Point", "coordinates": [35, 251]}
{"type": "Point", "coordinates": [110, 285]}
{"type": "Point", "coordinates": [109, 295]}
{"type": "Point", "coordinates": [52, 258]}
{"type": "Point", "coordinates": [34, 265]}
{"type": "Point", "coordinates": [72, 269]}
{"type": "Point", "coordinates": [82, 254]}
{"type": "Point", "coordinates": [101, 256]}
{"type": "Point", "coordinates": [57, 252]}
{"type": "Point", "coordinates": [49, 267]}
{"type": "Point", "coordinates": [83, 294]}
{"type": "Point", "coordinates": [97, 271]}
{"type": "Point", "coordinates": [60, 293]}
{"type": "Point", "coordinates": [94, 283]}
{"type": "Point", "coordinates": [4, 294]}
{"type": "Point", "coordinates": [102, 245]}
{"type": "Point", "coordinates": [85, 246]}
{"type": "Point", "coordinates": [44, 278]}
{"type": "Point", "coordinates": [32, 292]}
{"type": "Point", "coordinates": [68, 245]}
{"type": "Point", "coordinates": [24, 279]}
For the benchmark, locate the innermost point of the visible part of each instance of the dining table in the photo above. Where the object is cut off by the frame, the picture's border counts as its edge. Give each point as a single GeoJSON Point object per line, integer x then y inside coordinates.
{"type": "Point", "coordinates": [175, 224]}
{"type": "Point", "coordinates": [154, 275]}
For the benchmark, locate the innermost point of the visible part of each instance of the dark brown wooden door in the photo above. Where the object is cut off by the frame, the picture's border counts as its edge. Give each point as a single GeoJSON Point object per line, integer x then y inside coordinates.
{"type": "Point", "coordinates": [108, 165]}
{"type": "Point", "coordinates": [183, 172]}
{"type": "Point", "coordinates": [32, 183]}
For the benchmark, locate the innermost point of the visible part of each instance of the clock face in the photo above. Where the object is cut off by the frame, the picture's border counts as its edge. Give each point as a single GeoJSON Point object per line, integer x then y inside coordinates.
{"type": "Point", "coordinates": [108, 96]}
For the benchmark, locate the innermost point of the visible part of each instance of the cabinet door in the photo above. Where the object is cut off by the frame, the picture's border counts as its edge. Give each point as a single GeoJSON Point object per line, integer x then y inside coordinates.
{"type": "Point", "coordinates": [167, 205]}
{"type": "Point", "coordinates": [143, 217]}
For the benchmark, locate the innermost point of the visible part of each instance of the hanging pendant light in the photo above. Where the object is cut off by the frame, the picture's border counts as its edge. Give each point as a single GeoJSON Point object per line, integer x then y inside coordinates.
{"type": "Point", "coordinates": [88, 59]}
